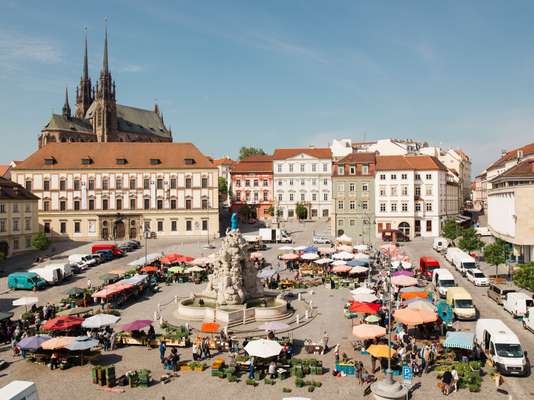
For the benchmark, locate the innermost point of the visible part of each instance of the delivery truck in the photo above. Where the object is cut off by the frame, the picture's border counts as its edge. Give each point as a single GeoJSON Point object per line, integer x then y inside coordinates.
{"type": "Point", "coordinates": [442, 280]}
{"type": "Point", "coordinates": [52, 276]}
{"type": "Point", "coordinates": [461, 303]}
{"type": "Point", "coordinates": [275, 235]}
{"type": "Point", "coordinates": [501, 347]}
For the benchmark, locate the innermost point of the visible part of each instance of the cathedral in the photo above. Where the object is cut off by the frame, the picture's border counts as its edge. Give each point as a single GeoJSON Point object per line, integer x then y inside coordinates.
{"type": "Point", "coordinates": [97, 116]}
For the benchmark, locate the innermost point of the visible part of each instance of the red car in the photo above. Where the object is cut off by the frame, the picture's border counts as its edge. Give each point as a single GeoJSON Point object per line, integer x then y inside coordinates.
{"type": "Point", "coordinates": [114, 249]}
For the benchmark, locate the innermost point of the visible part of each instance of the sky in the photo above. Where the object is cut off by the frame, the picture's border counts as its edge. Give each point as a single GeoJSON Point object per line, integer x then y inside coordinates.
{"type": "Point", "coordinates": [282, 73]}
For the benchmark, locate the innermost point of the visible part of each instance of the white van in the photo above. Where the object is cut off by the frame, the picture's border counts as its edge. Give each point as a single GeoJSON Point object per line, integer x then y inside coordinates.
{"type": "Point", "coordinates": [51, 275]}
{"type": "Point", "coordinates": [518, 303]}
{"type": "Point", "coordinates": [442, 279]}
{"type": "Point", "coordinates": [528, 319]}
{"type": "Point", "coordinates": [19, 390]}
{"type": "Point", "coordinates": [64, 268]}
{"type": "Point", "coordinates": [82, 260]}
{"type": "Point", "coordinates": [440, 244]}
{"type": "Point", "coordinates": [501, 346]}
{"type": "Point", "coordinates": [461, 260]}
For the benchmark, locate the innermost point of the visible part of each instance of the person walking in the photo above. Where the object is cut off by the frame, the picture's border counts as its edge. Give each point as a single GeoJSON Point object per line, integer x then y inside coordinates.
{"type": "Point", "coordinates": [89, 284]}
{"type": "Point", "coordinates": [162, 350]}
{"type": "Point", "coordinates": [324, 343]}
{"type": "Point", "coordinates": [251, 369]}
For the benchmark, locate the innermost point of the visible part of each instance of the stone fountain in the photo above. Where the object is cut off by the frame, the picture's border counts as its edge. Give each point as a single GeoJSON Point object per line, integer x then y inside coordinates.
{"type": "Point", "coordinates": [234, 293]}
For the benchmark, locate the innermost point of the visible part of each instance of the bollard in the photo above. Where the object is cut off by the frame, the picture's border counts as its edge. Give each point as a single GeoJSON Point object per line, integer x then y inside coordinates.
{"type": "Point", "coordinates": [161, 320]}
{"type": "Point", "coordinates": [158, 307]}
{"type": "Point", "coordinates": [175, 299]}
{"type": "Point", "coordinates": [155, 315]}
{"type": "Point", "coordinates": [299, 298]}
{"type": "Point", "coordinates": [306, 315]}
{"type": "Point", "coordinates": [244, 316]}
{"type": "Point", "coordinates": [298, 319]}
{"type": "Point", "coordinates": [311, 305]}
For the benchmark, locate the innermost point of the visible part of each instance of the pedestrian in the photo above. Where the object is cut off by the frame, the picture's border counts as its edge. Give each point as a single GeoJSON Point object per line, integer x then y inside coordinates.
{"type": "Point", "coordinates": [195, 351]}
{"type": "Point", "coordinates": [162, 350]}
{"type": "Point", "coordinates": [89, 284]}
{"type": "Point", "coordinates": [324, 343]}
{"type": "Point", "coordinates": [336, 353]}
{"type": "Point", "coordinates": [455, 379]}
{"type": "Point", "coordinates": [54, 360]}
{"type": "Point", "coordinates": [373, 364]}
{"type": "Point", "coordinates": [150, 336]}
{"type": "Point", "coordinates": [272, 369]}
{"type": "Point", "coordinates": [112, 341]}
{"type": "Point", "coordinates": [360, 373]}
{"type": "Point", "coordinates": [251, 369]}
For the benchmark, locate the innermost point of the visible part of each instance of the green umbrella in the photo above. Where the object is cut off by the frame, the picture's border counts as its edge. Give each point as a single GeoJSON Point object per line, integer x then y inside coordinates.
{"type": "Point", "coordinates": [75, 291]}
{"type": "Point", "coordinates": [372, 319]}
{"type": "Point", "coordinates": [176, 270]}
{"type": "Point", "coordinates": [109, 277]}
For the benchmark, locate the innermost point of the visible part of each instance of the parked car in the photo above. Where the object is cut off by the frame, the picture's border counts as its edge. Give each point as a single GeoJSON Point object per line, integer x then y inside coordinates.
{"type": "Point", "coordinates": [460, 260]}
{"type": "Point", "coordinates": [440, 244]}
{"type": "Point", "coordinates": [518, 303]}
{"type": "Point", "coordinates": [25, 280]}
{"type": "Point", "coordinates": [106, 255]}
{"type": "Point", "coordinates": [320, 239]}
{"type": "Point", "coordinates": [126, 247]}
{"type": "Point", "coordinates": [442, 280]}
{"type": "Point", "coordinates": [477, 277]}
{"type": "Point", "coordinates": [115, 251]}
{"type": "Point", "coordinates": [135, 243]}
{"type": "Point", "coordinates": [497, 292]}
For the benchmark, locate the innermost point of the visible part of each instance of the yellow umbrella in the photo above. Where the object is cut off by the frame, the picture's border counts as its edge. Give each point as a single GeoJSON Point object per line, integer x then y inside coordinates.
{"type": "Point", "coordinates": [381, 351]}
{"type": "Point", "coordinates": [57, 342]}
{"type": "Point", "coordinates": [367, 331]}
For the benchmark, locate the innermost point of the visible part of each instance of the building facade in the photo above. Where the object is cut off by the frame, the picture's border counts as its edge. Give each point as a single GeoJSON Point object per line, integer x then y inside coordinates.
{"type": "Point", "coordinates": [353, 188]}
{"type": "Point", "coordinates": [302, 176]}
{"type": "Point", "coordinates": [252, 185]}
{"type": "Point", "coordinates": [99, 118]}
{"type": "Point", "coordinates": [410, 195]}
{"type": "Point", "coordinates": [511, 209]}
{"type": "Point", "coordinates": [93, 191]}
{"type": "Point", "coordinates": [18, 218]}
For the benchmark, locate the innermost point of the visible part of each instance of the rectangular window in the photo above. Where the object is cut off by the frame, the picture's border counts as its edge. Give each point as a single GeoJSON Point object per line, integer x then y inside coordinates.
{"type": "Point", "coordinates": [382, 177]}
{"type": "Point", "coordinates": [62, 184]}
{"type": "Point", "coordinates": [188, 183]}
{"type": "Point", "coordinates": [325, 181]}
{"type": "Point", "coordinates": [188, 204]}
{"type": "Point", "coordinates": [417, 207]}
{"type": "Point", "coordinates": [352, 205]}
{"type": "Point", "coordinates": [365, 169]}
{"type": "Point", "coordinates": [393, 207]}
{"type": "Point", "coordinates": [205, 183]}
{"type": "Point", "coordinates": [290, 167]}
{"type": "Point", "coordinates": [238, 183]}
{"type": "Point", "coordinates": [205, 203]}
{"type": "Point", "coordinates": [46, 227]}
{"type": "Point", "coordinates": [291, 182]}
{"type": "Point", "coordinates": [280, 197]}
{"type": "Point", "coordinates": [91, 204]}
{"type": "Point", "coordinates": [118, 204]}
{"type": "Point", "coordinates": [314, 167]}
{"type": "Point", "coordinates": [132, 204]}
{"type": "Point", "coordinates": [301, 167]}
{"type": "Point", "coordinates": [428, 206]}
{"type": "Point", "coordinates": [118, 183]}
{"type": "Point", "coordinates": [105, 184]}
{"type": "Point", "coordinates": [404, 176]}
{"type": "Point", "coordinates": [204, 224]}
{"type": "Point", "coordinates": [325, 168]}
{"type": "Point", "coordinates": [380, 227]}
{"type": "Point", "coordinates": [238, 196]}
{"type": "Point", "coordinates": [105, 204]}
{"type": "Point", "coordinates": [46, 185]}
{"type": "Point", "coordinates": [247, 182]}
{"type": "Point", "coordinates": [146, 204]}
{"type": "Point", "coordinates": [173, 183]}
{"type": "Point", "coordinates": [314, 182]}
{"type": "Point", "coordinates": [15, 208]}
{"type": "Point", "coordinates": [189, 225]}
{"type": "Point", "coordinates": [325, 212]}
{"type": "Point", "coordinates": [429, 225]}
{"type": "Point", "coordinates": [340, 170]}
{"type": "Point", "coordinates": [28, 224]}
{"type": "Point", "coordinates": [132, 183]}
{"type": "Point", "coordinates": [290, 213]}
{"type": "Point", "coordinates": [382, 190]}
{"type": "Point", "coordinates": [160, 226]}
{"type": "Point", "coordinates": [352, 187]}
{"type": "Point", "coordinates": [146, 183]}
{"type": "Point", "coordinates": [2, 225]}
{"type": "Point", "coordinates": [393, 190]}
{"type": "Point", "coordinates": [382, 207]}
{"type": "Point", "coordinates": [325, 196]}
{"type": "Point", "coordinates": [340, 187]}
{"type": "Point", "coordinates": [428, 190]}
{"type": "Point", "coordinates": [404, 190]}
{"type": "Point", "coordinates": [302, 182]}
{"type": "Point", "coordinates": [428, 176]}
{"type": "Point", "coordinates": [302, 197]}
{"type": "Point", "coordinates": [265, 196]}
{"type": "Point", "coordinates": [46, 205]}
{"type": "Point", "coordinates": [28, 242]}
{"type": "Point", "coordinates": [404, 207]}
{"type": "Point", "coordinates": [62, 205]}
{"type": "Point", "coordinates": [265, 182]}
{"type": "Point", "coordinates": [417, 191]}
{"type": "Point", "coordinates": [76, 226]}
{"type": "Point", "coordinates": [393, 177]}
{"type": "Point", "coordinates": [365, 187]}
{"type": "Point", "coordinates": [291, 197]}
{"type": "Point", "coordinates": [28, 185]}
{"type": "Point", "coordinates": [62, 227]}
{"type": "Point", "coordinates": [28, 207]}
{"type": "Point", "coordinates": [174, 225]}
{"type": "Point", "coordinates": [173, 204]}
{"type": "Point", "coordinates": [15, 244]}
{"type": "Point", "coordinates": [147, 225]}
{"type": "Point", "coordinates": [76, 205]}
{"type": "Point", "coordinates": [159, 183]}
{"type": "Point", "coordinates": [340, 204]}
{"type": "Point", "coordinates": [91, 184]}
{"type": "Point", "coordinates": [417, 177]}
{"type": "Point", "coordinates": [339, 222]}
{"type": "Point", "coordinates": [256, 183]}
{"type": "Point", "coordinates": [352, 169]}
{"type": "Point", "coordinates": [279, 167]}
{"type": "Point", "coordinates": [365, 205]}
{"type": "Point", "coordinates": [159, 204]}
{"type": "Point", "coordinates": [15, 225]}
{"type": "Point", "coordinates": [314, 196]}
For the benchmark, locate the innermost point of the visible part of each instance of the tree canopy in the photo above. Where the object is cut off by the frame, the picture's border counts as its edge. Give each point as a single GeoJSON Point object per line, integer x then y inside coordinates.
{"type": "Point", "coordinates": [223, 186]}
{"type": "Point", "coordinates": [524, 276]}
{"type": "Point", "coordinates": [245, 152]}
{"type": "Point", "coordinates": [40, 241]}
{"type": "Point", "coordinates": [451, 230]}
{"type": "Point", "coordinates": [301, 211]}
{"type": "Point", "coordinates": [469, 240]}
{"type": "Point", "coordinates": [496, 253]}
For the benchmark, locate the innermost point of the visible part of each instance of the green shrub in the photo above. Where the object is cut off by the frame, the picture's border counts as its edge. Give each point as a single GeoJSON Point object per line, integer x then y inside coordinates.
{"type": "Point", "coordinates": [286, 390]}
{"type": "Point", "coordinates": [251, 382]}
{"type": "Point", "coordinates": [311, 388]}
{"type": "Point", "coordinates": [299, 382]}
{"type": "Point", "coordinates": [40, 241]}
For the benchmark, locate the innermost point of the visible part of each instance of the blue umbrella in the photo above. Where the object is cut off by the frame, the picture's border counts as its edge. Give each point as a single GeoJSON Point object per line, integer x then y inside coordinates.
{"type": "Point", "coordinates": [310, 249]}
{"type": "Point", "coordinates": [82, 343]}
{"type": "Point", "coordinates": [358, 263]}
{"type": "Point", "coordinates": [33, 342]}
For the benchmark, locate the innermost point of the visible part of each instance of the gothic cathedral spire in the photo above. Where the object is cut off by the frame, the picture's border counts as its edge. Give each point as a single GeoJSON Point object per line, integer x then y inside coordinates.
{"type": "Point", "coordinates": [105, 115]}
{"type": "Point", "coordinates": [84, 97]}
{"type": "Point", "coordinates": [66, 106]}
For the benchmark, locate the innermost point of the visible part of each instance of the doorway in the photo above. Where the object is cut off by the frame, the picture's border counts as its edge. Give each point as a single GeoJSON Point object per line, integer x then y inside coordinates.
{"type": "Point", "coordinates": [119, 230]}
{"type": "Point", "coordinates": [404, 227]}
{"type": "Point", "coordinates": [417, 228]}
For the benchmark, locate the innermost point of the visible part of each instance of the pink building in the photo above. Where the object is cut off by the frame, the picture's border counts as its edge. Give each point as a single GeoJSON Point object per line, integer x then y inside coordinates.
{"type": "Point", "coordinates": [252, 184]}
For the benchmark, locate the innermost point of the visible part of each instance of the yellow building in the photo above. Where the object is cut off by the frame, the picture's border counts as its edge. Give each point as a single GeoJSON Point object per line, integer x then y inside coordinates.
{"type": "Point", "coordinates": [115, 191]}
{"type": "Point", "coordinates": [18, 218]}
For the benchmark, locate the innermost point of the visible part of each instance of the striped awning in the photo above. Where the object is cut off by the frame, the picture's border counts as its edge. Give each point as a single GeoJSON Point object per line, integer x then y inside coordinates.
{"type": "Point", "coordinates": [460, 340]}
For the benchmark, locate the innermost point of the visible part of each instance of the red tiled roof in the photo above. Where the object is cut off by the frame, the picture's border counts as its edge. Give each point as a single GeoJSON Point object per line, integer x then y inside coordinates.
{"type": "Point", "coordinates": [358, 157]}
{"type": "Point", "coordinates": [318, 152]}
{"type": "Point", "coordinates": [4, 169]}
{"type": "Point", "coordinates": [408, 163]}
{"type": "Point", "coordinates": [13, 191]}
{"type": "Point", "coordinates": [524, 169]}
{"type": "Point", "coordinates": [105, 156]}
{"type": "Point", "coordinates": [257, 163]}
{"type": "Point", "coordinates": [527, 150]}
{"type": "Point", "coordinates": [224, 161]}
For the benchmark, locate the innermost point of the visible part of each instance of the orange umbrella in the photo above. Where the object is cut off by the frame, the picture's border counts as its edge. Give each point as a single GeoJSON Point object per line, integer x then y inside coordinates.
{"type": "Point", "coordinates": [413, 295]}
{"type": "Point", "coordinates": [210, 327]}
{"type": "Point", "coordinates": [341, 268]}
{"type": "Point", "coordinates": [289, 257]}
{"type": "Point", "coordinates": [413, 317]}
{"type": "Point", "coordinates": [150, 269]}
{"type": "Point", "coordinates": [57, 342]}
{"type": "Point", "coordinates": [367, 331]}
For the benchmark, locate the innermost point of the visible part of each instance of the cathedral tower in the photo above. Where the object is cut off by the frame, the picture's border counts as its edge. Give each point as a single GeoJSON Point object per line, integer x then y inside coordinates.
{"type": "Point", "coordinates": [84, 92]}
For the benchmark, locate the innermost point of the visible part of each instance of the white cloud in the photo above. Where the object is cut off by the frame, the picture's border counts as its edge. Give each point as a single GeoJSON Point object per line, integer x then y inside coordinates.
{"type": "Point", "coordinates": [16, 49]}
{"type": "Point", "coordinates": [284, 46]}
{"type": "Point", "coordinates": [131, 68]}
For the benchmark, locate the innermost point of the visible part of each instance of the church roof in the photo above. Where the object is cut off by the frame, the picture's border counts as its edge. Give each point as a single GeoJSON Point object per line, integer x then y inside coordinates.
{"type": "Point", "coordinates": [59, 122]}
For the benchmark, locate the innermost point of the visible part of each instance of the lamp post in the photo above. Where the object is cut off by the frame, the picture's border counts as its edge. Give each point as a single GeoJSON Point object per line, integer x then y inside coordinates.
{"type": "Point", "coordinates": [388, 389]}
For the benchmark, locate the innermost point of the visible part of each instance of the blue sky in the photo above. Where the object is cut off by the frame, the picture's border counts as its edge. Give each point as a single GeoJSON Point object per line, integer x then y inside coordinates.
{"type": "Point", "coordinates": [282, 72]}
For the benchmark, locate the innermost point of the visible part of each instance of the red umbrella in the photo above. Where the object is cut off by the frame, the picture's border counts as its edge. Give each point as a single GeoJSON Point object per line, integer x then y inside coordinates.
{"type": "Point", "coordinates": [63, 323]}
{"type": "Point", "coordinates": [149, 269]}
{"type": "Point", "coordinates": [210, 327]}
{"type": "Point", "coordinates": [184, 259]}
{"type": "Point", "coordinates": [364, 308]}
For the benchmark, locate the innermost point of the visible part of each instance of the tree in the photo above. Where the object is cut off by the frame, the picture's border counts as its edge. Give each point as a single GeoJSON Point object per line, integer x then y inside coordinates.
{"type": "Point", "coordinates": [223, 186]}
{"type": "Point", "coordinates": [524, 276]}
{"type": "Point", "coordinates": [451, 230]}
{"type": "Point", "coordinates": [301, 211]}
{"type": "Point", "coordinates": [245, 152]}
{"type": "Point", "coordinates": [269, 211]}
{"type": "Point", "coordinates": [496, 254]}
{"type": "Point", "coordinates": [40, 241]}
{"type": "Point", "coordinates": [470, 241]}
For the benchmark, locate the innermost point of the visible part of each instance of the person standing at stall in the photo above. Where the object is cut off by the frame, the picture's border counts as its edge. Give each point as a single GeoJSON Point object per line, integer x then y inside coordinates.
{"type": "Point", "coordinates": [162, 350]}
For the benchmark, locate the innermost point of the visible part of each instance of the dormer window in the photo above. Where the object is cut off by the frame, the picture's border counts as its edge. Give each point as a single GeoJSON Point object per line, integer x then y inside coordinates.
{"type": "Point", "coordinates": [189, 161]}
{"type": "Point", "coordinates": [50, 161]}
{"type": "Point", "coordinates": [155, 161]}
{"type": "Point", "coordinates": [87, 161]}
{"type": "Point", "coordinates": [122, 161]}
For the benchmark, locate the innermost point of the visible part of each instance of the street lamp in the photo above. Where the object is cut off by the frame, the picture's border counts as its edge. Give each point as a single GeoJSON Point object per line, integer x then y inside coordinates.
{"type": "Point", "coordinates": [388, 389]}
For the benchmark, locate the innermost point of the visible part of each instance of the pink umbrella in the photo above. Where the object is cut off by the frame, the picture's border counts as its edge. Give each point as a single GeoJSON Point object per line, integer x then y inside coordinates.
{"type": "Point", "coordinates": [402, 273]}
{"type": "Point", "coordinates": [136, 325]}
{"type": "Point", "coordinates": [326, 250]}
{"type": "Point", "coordinates": [341, 269]}
{"type": "Point", "coordinates": [345, 247]}
{"type": "Point", "coordinates": [403, 281]}
{"type": "Point", "coordinates": [289, 257]}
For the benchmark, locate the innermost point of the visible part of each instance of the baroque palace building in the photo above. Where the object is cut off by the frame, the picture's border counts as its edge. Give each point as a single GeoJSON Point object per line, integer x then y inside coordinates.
{"type": "Point", "coordinates": [99, 118]}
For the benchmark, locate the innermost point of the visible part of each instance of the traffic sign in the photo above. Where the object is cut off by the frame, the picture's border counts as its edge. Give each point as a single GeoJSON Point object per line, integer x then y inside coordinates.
{"type": "Point", "coordinates": [407, 373]}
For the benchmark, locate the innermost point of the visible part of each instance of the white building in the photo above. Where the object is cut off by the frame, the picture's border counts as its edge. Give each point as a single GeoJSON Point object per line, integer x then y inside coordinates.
{"type": "Point", "coordinates": [303, 176]}
{"type": "Point", "coordinates": [410, 195]}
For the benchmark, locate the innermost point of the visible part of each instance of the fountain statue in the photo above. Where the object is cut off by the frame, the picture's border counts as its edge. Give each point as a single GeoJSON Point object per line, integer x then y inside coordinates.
{"type": "Point", "coordinates": [234, 279]}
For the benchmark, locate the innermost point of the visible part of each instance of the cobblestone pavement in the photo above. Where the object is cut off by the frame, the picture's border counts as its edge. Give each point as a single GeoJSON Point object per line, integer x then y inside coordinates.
{"type": "Point", "coordinates": [76, 383]}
